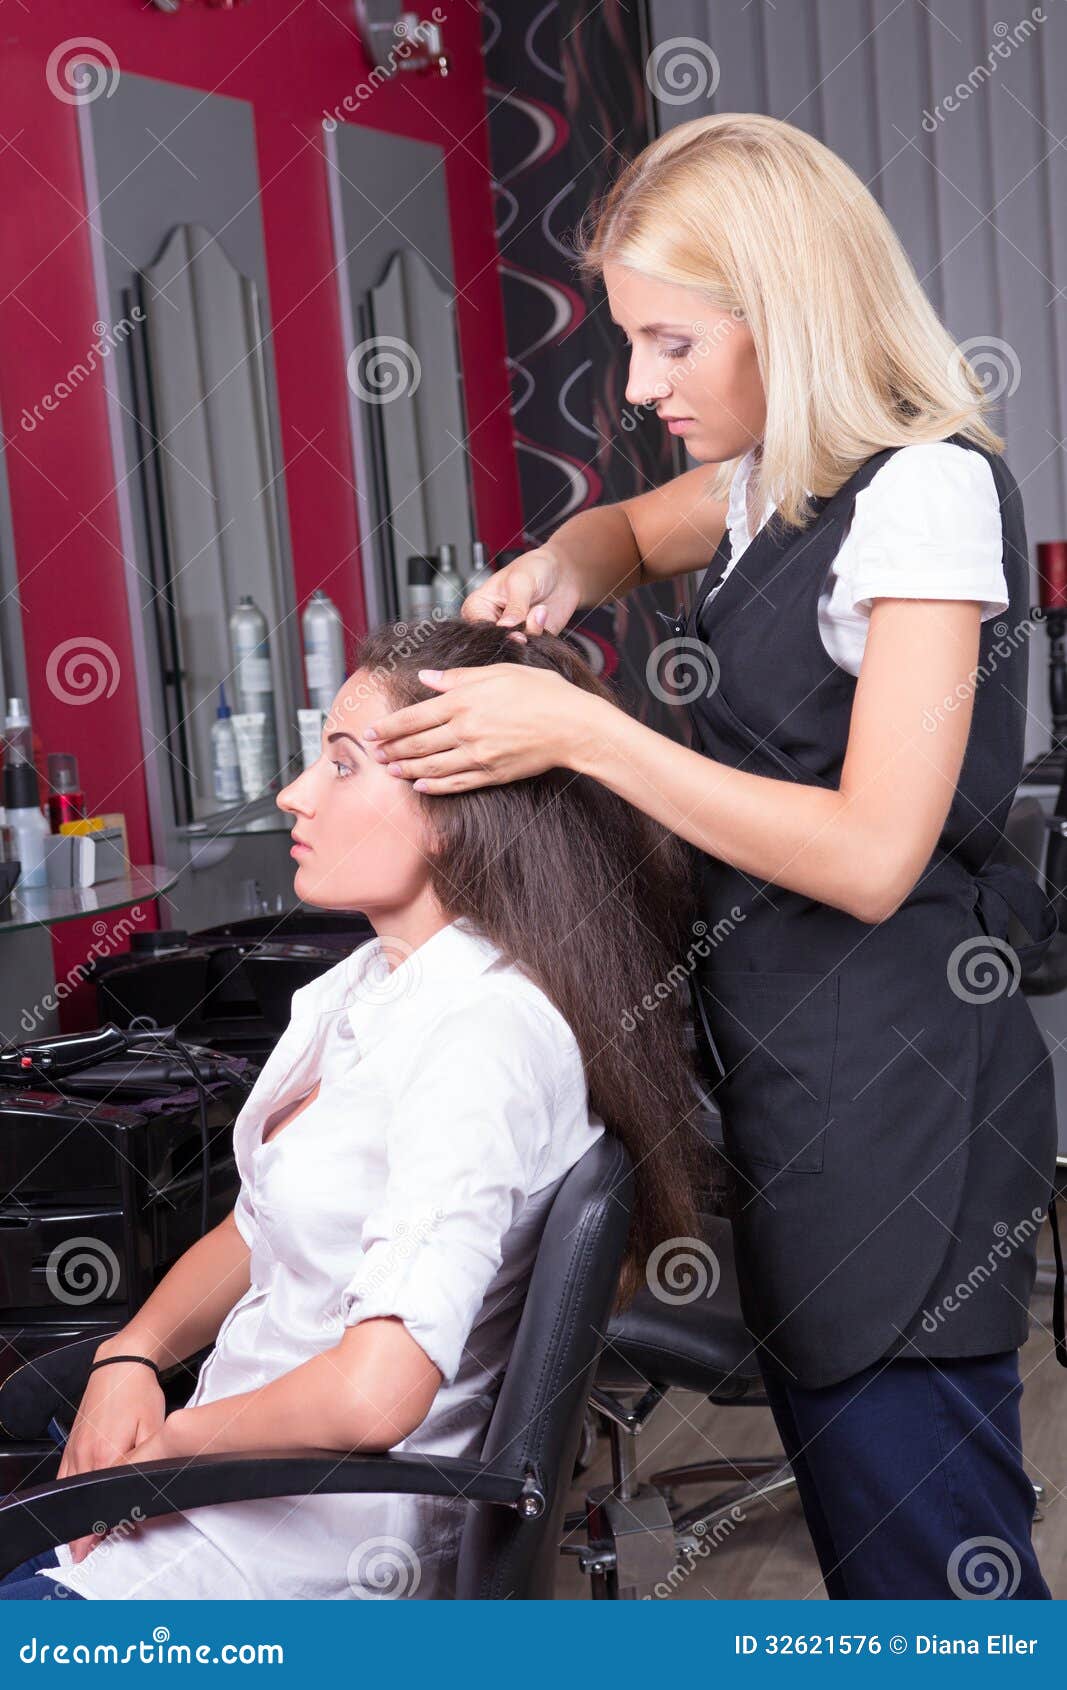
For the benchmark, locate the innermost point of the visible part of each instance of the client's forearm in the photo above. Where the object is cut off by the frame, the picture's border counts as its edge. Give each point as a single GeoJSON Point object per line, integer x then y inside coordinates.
{"type": "Point", "coordinates": [311, 1407]}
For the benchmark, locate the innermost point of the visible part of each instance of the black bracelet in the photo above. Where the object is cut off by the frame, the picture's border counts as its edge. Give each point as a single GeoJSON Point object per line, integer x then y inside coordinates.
{"type": "Point", "coordinates": [107, 1359]}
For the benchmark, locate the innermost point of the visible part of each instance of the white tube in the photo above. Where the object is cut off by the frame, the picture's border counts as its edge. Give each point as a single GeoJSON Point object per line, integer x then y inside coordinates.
{"type": "Point", "coordinates": [250, 726]}
{"type": "Point", "coordinates": [310, 725]}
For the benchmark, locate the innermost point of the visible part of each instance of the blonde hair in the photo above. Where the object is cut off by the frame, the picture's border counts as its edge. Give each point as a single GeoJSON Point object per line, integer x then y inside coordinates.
{"type": "Point", "coordinates": [771, 225]}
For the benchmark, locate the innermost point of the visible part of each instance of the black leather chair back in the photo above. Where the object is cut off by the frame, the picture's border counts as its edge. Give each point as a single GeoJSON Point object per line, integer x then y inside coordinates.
{"type": "Point", "coordinates": [539, 1411]}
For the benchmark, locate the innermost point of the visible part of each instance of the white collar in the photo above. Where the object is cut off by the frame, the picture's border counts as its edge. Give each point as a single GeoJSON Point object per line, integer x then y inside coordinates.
{"type": "Point", "coordinates": [370, 996]}
{"type": "Point", "coordinates": [360, 989]}
{"type": "Point", "coordinates": [737, 508]}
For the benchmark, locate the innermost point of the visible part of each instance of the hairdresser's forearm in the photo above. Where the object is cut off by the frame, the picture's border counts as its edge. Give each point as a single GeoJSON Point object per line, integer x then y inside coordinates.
{"type": "Point", "coordinates": [598, 551]}
{"type": "Point", "coordinates": [808, 839]}
{"type": "Point", "coordinates": [311, 1407]}
{"type": "Point", "coordinates": [187, 1307]}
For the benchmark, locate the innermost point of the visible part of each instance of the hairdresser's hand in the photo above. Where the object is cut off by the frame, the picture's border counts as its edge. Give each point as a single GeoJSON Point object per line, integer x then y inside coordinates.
{"type": "Point", "coordinates": [121, 1407]}
{"type": "Point", "coordinates": [533, 594]}
{"type": "Point", "coordinates": [490, 725]}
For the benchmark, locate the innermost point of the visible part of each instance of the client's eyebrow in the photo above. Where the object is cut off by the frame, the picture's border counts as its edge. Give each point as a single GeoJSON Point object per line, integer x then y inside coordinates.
{"type": "Point", "coordinates": [331, 738]}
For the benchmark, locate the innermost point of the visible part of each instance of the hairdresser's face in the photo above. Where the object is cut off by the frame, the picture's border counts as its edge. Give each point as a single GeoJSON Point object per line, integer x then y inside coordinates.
{"type": "Point", "coordinates": [689, 361]}
{"type": "Point", "coordinates": [359, 839]}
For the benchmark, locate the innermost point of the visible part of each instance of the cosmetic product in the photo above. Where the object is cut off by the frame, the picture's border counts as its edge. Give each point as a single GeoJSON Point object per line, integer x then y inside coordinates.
{"type": "Point", "coordinates": [27, 820]}
{"type": "Point", "coordinates": [225, 763]}
{"type": "Point", "coordinates": [420, 587]}
{"type": "Point", "coordinates": [104, 855]}
{"type": "Point", "coordinates": [447, 584]}
{"type": "Point", "coordinates": [85, 858]}
{"type": "Point", "coordinates": [250, 727]}
{"type": "Point", "coordinates": [480, 570]}
{"type": "Point", "coordinates": [310, 724]}
{"type": "Point", "coordinates": [9, 868]}
{"type": "Point", "coordinates": [250, 645]}
{"type": "Point", "coordinates": [324, 649]}
{"type": "Point", "coordinates": [23, 744]}
{"type": "Point", "coordinates": [66, 800]}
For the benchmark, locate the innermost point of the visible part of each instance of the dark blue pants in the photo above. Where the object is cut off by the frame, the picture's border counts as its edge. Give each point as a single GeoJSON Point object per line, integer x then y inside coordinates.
{"type": "Point", "coordinates": [911, 1478]}
{"type": "Point", "coordinates": [21, 1584]}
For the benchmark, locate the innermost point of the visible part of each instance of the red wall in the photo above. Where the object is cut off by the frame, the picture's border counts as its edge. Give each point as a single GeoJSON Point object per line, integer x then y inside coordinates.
{"type": "Point", "coordinates": [292, 62]}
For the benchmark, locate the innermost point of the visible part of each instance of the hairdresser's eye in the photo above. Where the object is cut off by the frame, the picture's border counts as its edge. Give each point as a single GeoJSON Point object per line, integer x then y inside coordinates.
{"type": "Point", "coordinates": [343, 769]}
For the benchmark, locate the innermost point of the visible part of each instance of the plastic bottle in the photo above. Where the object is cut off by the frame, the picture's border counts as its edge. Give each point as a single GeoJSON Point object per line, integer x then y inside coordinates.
{"type": "Point", "coordinates": [250, 645]}
{"type": "Point", "coordinates": [324, 650]}
{"type": "Point", "coordinates": [66, 800]}
{"type": "Point", "coordinates": [448, 592]}
{"type": "Point", "coordinates": [22, 797]}
{"type": "Point", "coordinates": [225, 765]}
{"type": "Point", "coordinates": [480, 570]}
{"type": "Point", "coordinates": [420, 587]}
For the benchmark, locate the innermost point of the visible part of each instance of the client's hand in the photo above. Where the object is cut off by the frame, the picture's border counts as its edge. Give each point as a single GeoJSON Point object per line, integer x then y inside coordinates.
{"type": "Point", "coordinates": [123, 1405]}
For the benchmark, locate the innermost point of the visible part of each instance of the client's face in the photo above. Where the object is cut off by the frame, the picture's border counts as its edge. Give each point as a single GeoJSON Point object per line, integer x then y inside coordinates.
{"type": "Point", "coordinates": [359, 834]}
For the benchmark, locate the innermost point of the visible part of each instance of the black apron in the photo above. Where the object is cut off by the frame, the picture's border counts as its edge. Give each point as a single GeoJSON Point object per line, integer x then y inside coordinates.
{"type": "Point", "coordinates": [887, 1098]}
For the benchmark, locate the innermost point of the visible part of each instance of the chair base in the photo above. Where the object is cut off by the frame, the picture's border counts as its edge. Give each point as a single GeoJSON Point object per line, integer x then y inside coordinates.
{"type": "Point", "coordinates": [638, 1542]}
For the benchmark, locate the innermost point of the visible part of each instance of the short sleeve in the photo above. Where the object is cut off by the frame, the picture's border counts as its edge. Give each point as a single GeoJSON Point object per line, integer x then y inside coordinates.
{"type": "Point", "coordinates": [928, 525]}
{"type": "Point", "coordinates": [469, 1129]}
{"type": "Point", "coordinates": [244, 1216]}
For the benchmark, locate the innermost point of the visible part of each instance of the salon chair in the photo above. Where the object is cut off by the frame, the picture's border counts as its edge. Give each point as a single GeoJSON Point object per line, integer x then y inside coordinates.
{"type": "Point", "coordinates": [635, 1537]}
{"type": "Point", "coordinates": [516, 1490]}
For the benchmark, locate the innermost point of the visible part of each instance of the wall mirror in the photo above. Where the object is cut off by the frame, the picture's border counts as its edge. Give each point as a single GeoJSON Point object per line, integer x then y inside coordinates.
{"type": "Point", "coordinates": [209, 479]}
{"type": "Point", "coordinates": [411, 466]}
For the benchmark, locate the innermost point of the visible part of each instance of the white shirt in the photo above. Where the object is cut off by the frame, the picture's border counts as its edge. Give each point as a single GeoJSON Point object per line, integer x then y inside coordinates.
{"type": "Point", "coordinates": [927, 525]}
{"type": "Point", "coordinates": [452, 1102]}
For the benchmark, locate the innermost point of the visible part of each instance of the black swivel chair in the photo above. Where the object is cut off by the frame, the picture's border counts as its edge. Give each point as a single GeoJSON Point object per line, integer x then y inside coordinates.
{"type": "Point", "coordinates": [517, 1491]}
{"type": "Point", "coordinates": [635, 1537]}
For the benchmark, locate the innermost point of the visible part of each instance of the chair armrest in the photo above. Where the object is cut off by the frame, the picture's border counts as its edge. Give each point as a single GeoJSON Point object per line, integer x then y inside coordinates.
{"type": "Point", "coordinates": [61, 1510]}
{"type": "Point", "coordinates": [52, 1385]}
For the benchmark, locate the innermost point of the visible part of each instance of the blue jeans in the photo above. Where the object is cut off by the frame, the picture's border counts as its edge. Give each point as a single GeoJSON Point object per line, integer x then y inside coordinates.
{"type": "Point", "coordinates": [911, 1478]}
{"type": "Point", "coordinates": [23, 1583]}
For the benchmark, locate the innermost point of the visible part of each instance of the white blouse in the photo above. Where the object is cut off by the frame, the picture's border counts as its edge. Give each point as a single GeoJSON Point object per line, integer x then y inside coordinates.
{"type": "Point", "coordinates": [452, 1103]}
{"type": "Point", "coordinates": [927, 525]}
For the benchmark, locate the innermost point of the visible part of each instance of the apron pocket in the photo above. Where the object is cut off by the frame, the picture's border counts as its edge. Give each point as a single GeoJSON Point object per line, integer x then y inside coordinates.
{"type": "Point", "coordinates": [776, 1036]}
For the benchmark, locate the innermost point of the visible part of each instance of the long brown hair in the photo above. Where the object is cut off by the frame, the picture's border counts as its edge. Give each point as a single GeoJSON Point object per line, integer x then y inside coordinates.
{"type": "Point", "coordinates": [593, 900]}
